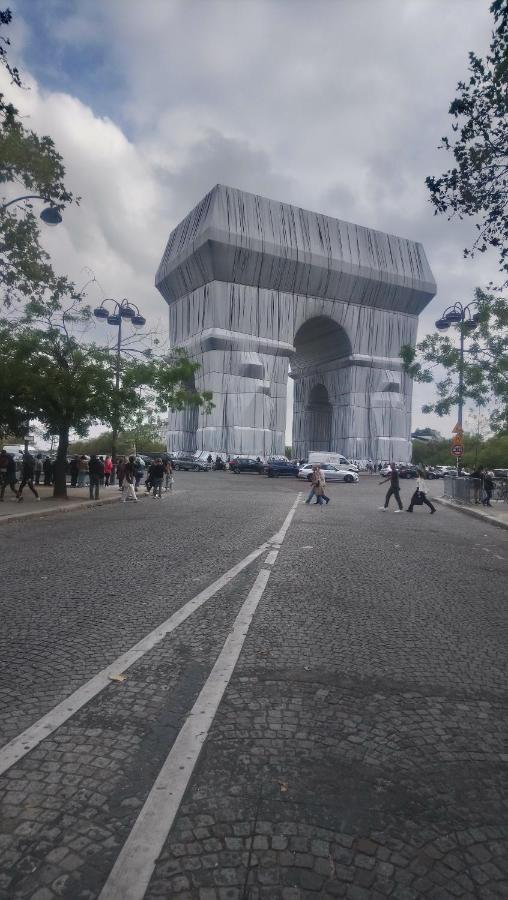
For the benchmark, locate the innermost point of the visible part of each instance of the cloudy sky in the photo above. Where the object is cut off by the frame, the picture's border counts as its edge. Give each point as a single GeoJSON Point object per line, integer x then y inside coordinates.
{"type": "Point", "coordinates": [334, 105]}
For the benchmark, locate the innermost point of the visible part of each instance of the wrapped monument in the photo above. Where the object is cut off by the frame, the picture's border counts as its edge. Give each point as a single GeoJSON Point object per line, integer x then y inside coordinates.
{"type": "Point", "coordinates": [256, 288]}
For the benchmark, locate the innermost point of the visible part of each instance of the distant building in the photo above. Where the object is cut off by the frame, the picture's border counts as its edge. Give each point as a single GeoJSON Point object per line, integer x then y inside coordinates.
{"type": "Point", "coordinates": [426, 435]}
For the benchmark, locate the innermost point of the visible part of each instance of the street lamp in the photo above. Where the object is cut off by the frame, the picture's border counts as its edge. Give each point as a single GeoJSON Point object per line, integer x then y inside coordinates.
{"type": "Point", "coordinates": [130, 312]}
{"type": "Point", "coordinates": [50, 215]}
{"type": "Point", "coordinates": [459, 315]}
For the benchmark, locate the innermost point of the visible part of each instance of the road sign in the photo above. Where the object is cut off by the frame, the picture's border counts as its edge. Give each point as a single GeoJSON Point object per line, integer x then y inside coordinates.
{"type": "Point", "coordinates": [458, 449]}
{"type": "Point", "coordinates": [457, 439]}
{"type": "Point", "coordinates": [458, 429]}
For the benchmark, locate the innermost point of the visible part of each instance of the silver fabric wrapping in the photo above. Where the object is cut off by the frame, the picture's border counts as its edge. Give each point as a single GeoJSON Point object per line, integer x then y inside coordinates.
{"type": "Point", "coordinates": [255, 287]}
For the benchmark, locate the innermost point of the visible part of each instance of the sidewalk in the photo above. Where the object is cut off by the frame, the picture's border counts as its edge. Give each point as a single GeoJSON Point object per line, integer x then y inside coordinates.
{"type": "Point", "coordinates": [78, 498]}
{"type": "Point", "coordinates": [497, 514]}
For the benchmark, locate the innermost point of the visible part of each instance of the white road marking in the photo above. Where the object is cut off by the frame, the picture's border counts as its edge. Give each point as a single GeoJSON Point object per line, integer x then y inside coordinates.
{"type": "Point", "coordinates": [133, 869]}
{"type": "Point", "coordinates": [19, 746]}
{"type": "Point", "coordinates": [271, 557]}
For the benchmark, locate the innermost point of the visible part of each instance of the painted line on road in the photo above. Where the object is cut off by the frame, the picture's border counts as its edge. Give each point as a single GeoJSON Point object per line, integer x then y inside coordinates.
{"type": "Point", "coordinates": [134, 866]}
{"type": "Point", "coordinates": [19, 746]}
{"type": "Point", "coordinates": [271, 557]}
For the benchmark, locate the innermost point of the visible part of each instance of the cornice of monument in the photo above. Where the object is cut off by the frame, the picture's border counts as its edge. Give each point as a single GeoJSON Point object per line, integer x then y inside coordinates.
{"type": "Point", "coordinates": [239, 237]}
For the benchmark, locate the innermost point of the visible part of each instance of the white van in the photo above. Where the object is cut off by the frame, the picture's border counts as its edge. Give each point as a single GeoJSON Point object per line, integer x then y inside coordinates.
{"type": "Point", "coordinates": [318, 457]}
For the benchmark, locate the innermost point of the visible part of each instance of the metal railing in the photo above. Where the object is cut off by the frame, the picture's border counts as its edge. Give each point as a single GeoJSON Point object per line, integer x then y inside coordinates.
{"type": "Point", "coordinates": [464, 489]}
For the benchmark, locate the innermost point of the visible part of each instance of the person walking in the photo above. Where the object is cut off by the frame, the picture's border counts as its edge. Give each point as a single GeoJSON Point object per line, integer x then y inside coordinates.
{"type": "Point", "coordinates": [95, 473]}
{"type": "Point", "coordinates": [156, 478]}
{"type": "Point", "coordinates": [317, 487]}
{"type": "Point", "coordinates": [82, 471]}
{"type": "Point", "coordinates": [139, 472]}
{"type": "Point", "coordinates": [168, 475]}
{"type": "Point", "coordinates": [74, 469]}
{"type": "Point", "coordinates": [129, 480]}
{"type": "Point", "coordinates": [108, 468]}
{"type": "Point", "coordinates": [148, 477]}
{"type": "Point", "coordinates": [38, 468]}
{"type": "Point", "coordinates": [394, 489]}
{"type": "Point", "coordinates": [27, 477]}
{"type": "Point", "coordinates": [7, 473]}
{"type": "Point", "coordinates": [47, 468]}
{"type": "Point", "coordinates": [488, 488]}
{"type": "Point", "coordinates": [120, 471]}
{"type": "Point", "coordinates": [419, 498]}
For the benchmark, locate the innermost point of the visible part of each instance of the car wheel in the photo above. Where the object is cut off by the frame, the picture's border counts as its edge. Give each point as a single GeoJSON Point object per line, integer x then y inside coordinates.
{"type": "Point", "coordinates": [349, 479]}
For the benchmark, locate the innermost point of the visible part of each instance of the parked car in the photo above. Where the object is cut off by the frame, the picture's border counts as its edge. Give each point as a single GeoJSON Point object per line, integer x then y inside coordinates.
{"type": "Point", "coordinates": [332, 473]}
{"type": "Point", "coordinates": [385, 471]}
{"type": "Point", "coordinates": [190, 464]}
{"type": "Point", "coordinates": [246, 464]}
{"type": "Point", "coordinates": [408, 472]}
{"type": "Point", "coordinates": [274, 468]}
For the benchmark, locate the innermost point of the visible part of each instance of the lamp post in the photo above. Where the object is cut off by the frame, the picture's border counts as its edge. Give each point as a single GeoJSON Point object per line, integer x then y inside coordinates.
{"type": "Point", "coordinates": [122, 309]}
{"type": "Point", "coordinates": [50, 215]}
{"type": "Point", "coordinates": [461, 315]}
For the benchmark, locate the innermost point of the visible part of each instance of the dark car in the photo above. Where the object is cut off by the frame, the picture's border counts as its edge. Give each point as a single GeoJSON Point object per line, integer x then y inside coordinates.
{"type": "Point", "coordinates": [276, 467]}
{"type": "Point", "coordinates": [246, 464]}
{"type": "Point", "coordinates": [408, 471]}
{"type": "Point", "coordinates": [190, 464]}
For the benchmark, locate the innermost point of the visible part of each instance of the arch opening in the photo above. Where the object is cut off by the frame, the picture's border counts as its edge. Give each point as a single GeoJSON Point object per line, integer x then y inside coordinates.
{"type": "Point", "coordinates": [318, 414]}
{"type": "Point", "coordinates": [319, 341]}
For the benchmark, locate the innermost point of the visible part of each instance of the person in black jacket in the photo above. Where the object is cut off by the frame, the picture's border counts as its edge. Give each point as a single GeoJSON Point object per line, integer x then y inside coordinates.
{"type": "Point", "coordinates": [27, 477]}
{"type": "Point", "coordinates": [7, 473]}
{"type": "Point", "coordinates": [47, 468]}
{"type": "Point", "coordinates": [394, 489]}
{"type": "Point", "coordinates": [95, 473]}
{"type": "Point", "coordinates": [156, 478]}
{"type": "Point", "coordinates": [129, 479]}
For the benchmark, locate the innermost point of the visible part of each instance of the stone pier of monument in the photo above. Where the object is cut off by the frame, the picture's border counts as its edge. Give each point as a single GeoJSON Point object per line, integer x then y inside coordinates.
{"type": "Point", "coordinates": [259, 289]}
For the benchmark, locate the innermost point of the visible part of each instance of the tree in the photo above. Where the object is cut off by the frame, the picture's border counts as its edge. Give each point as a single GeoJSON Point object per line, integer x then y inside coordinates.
{"type": "Point", "coordinates": [477, 185]}
{"type": "Point", "coordinates": [32, 163]}
{"type": "Point", "coordinates": [48, 375]}
{"type": "Point", "coordinates": [485, 366]}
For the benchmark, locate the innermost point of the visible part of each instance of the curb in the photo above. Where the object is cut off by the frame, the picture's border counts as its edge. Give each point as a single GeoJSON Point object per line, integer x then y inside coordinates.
{"type": "Point", "coordinates": [42, 513]}
{"type": "Point", "coordinates": [476, 514]}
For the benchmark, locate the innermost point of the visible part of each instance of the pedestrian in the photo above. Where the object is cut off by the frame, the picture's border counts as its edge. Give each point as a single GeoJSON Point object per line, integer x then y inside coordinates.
{"type": "Point", "coordinates": [101, 478]}
{"type": "Point", "coordinates": [168, 475]}
{"type": "Point", "coordinates": [209, 459]}
{"type": "Point", "coordinates": [317, 487]}
{"type": "Point", "coordinates": [74, 469]}
{"type": "Point", "coordinates": [148, 479]}
{"type": "Point", "coordinates": [47, 468]}
{"type": "Point", "coordinates": [95, 473]}
{"type": "Point", "coordinates": [7, 473]}
{"type": "Point", "coordinates": [394, 489]}
{"type": "Point", "coordinates": [38, 468]}
{"type": "Point", "coordinates": [477, 477]}
{"type": "Point", "coordinates": [120, 471]}
{"type": "Point", "coordinates": [82, 471]}
{"type": "Point", "coordinates": [108, 468]}
{"type": "Point", "coordinates": [27, 477]}
{"type": "Point", "coordinates": [139, 472]}
{"type": "Point", "coordinates": [129, 480]}
{"type": "Point", "coordinates": [156, 478]}
{"type": "Point", "coordinates": [419, 498]}
{"type": "Point", "coordinates": [488, 488]}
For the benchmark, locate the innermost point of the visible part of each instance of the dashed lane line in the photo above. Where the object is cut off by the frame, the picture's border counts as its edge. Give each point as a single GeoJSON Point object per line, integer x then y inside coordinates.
{"type": "Point", "coordinates": [19, 746]}
{"type": "Point", "coordinates": [133, 869]}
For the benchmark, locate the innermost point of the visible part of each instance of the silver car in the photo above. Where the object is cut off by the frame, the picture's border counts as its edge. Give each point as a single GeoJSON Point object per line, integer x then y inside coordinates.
{"type": "Point", "coordinates": [332, 473]}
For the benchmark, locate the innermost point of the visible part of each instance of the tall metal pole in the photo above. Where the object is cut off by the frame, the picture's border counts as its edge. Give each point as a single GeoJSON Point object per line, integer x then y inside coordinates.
{"type": "Point", "coordinates": [461, 381]}
{"type": "Point", "coordinates": [114, 435]}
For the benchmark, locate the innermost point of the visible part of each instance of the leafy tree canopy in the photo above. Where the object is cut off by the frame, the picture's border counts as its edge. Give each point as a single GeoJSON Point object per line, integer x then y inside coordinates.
{"type": "Point", "coordinates": [485, 363]}
{"type": "Point", "coordinates": [477, 183]}
{"type": "Point", "coordinates": [491, 453]}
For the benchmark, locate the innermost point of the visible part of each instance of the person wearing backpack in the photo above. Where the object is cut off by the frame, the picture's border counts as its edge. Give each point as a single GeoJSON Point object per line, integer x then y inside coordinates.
{"type": "Point", "coordinates": [95, 474]}
{"type": "Point", "coordinates": [419, 498]}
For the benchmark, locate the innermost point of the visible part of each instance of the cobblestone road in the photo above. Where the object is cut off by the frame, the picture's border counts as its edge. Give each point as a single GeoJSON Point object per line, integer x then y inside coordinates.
{"type": "Point", "coordinates": [360, 748]}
